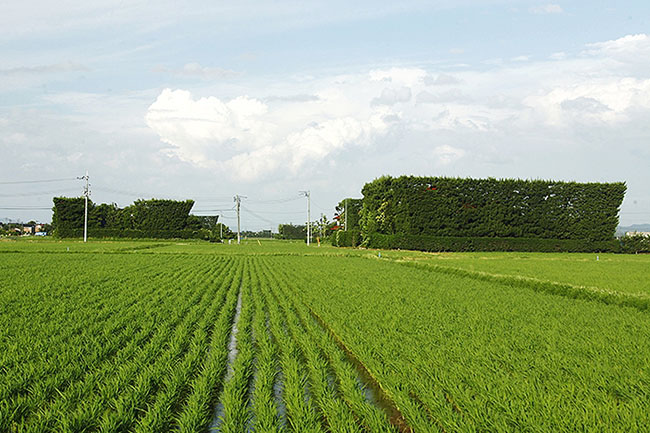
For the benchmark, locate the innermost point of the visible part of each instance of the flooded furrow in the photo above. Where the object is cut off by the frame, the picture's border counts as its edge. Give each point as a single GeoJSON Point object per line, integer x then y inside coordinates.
{"type": "Point", "coordinates": [373, 391]}
{"type": "Point", "coordinates": [217, 417]}
{"type": "Point", "coordinates": [278, 386]}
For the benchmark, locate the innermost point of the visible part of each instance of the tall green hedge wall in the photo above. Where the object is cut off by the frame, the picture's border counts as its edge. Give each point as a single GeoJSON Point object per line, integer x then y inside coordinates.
{"type": "Point", "coordinates": [508, 208]}
{"type": "Point", "coordinates": [144, 218]}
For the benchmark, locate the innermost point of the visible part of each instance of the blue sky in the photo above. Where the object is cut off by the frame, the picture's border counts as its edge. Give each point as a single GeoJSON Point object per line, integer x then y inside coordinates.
{"type": "Point", "coordinates": [210, 99]}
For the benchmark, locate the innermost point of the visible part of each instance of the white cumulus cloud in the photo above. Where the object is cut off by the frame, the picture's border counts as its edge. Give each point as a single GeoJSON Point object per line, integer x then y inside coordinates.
{"type": "Point", "coordinates": [469, 114]}
{"type": "Point", "coordinates": [547, 9]}
{"type": "Point", "coordinates": [198, 130]}
{"type": "Point", "coordinates": [392, 96]}
{"type": "Point", "coordinates": [242, 137]}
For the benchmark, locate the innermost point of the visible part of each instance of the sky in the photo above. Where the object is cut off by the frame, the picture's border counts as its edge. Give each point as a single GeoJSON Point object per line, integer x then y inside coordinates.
{"type": "Point", "coordinates": [206, 100]}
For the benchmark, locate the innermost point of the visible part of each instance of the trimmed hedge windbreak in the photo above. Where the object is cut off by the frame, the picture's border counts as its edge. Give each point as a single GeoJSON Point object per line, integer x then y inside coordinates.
{"type": "Point", "coordinates": [454, 214]}
{"type": "Point", "coordinates": [455, 243]}
{"type": "Point", "coordinates": [350, 238]}
{"type": "Point", "coordinates": [105, 233]}
{"type": "Point", "coordinates": [508, 208]}
{"type": "Point", "coordinates": [143, 219]}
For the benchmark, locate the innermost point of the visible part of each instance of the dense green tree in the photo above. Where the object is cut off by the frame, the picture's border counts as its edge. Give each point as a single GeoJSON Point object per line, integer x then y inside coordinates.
{"type": "Point", "coordinates": [352, 207]}
{"type": "Point", "coordinates": [220, 229]}
{"type": "Point", "coordinates": [68, 214]}
{"type": "Point", "coordinates": [290, 231]}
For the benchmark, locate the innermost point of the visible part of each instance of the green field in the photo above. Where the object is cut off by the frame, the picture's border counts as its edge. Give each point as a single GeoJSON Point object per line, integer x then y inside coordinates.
{"type": "Point", "coordinates": [152, 336]}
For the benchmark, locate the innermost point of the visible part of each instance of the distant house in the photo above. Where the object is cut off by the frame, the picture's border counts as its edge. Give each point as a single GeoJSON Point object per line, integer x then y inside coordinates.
{"type": "Point", "coordinates": [635, 233]}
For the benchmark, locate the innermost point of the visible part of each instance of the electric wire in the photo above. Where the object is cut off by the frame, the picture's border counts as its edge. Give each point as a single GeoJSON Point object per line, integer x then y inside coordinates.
{"type": "Point", "coordinates": [258, 216]}
{"type": "Point", "coordinates": [30, 194]}
{"type": "Point", "coordinates": [19, 182]}
{"type": "Point", "coordinates": [25, 208]}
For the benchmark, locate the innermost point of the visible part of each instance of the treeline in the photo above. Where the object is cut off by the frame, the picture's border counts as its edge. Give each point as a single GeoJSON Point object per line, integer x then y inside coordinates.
{"type": "Point", "coordinates": [262, 234]}
{"type": "Point", "coordinates": [153, 218]}
{"type": "Point", "coordinates": [456, 214]}
{"type": "Point", "coordinates": [291, 231]}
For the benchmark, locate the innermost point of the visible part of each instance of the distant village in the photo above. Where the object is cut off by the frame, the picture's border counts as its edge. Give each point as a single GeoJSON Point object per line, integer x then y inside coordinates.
{"type": "Point", "coordinates": [31, 228]}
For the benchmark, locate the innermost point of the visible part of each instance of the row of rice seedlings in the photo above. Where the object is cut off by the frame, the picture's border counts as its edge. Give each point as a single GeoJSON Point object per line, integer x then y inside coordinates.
{"type": "Point", "coordinates": [409, 408]}
{"type": "Point", "coordinates": [60, 316]}
{"type": "Point", "coordinates": [103, 389]}
{"type": "Point", "coordinates": [505, 359]}
{"type": "Point", "coordinates": [334, 412]}
{"type": "Point", "coordinates": [70, 393]}
{"type": "Point", "coordinates": [108, 369]}
{"type": "Point", "coordinates": [176, 382]}
{"type": "Point", "coordinates": [66, 300]}
{"type": "Point", "coordinates": [235, 392]}
{"type": "Point", "coordinates": [369, 416]}
{"type": "Point", "coordinates": [265, 411]}
{"type": "Point", "coordinates": [607, 296]}
{"type": "Point", "coordinates": [196, 413]}
{"type": "Point", "coordinates": [302, 415]}
{"type": "Point", "coordinates": [52, 363]}
{"type": "Point", "coordinates": [129, 407]}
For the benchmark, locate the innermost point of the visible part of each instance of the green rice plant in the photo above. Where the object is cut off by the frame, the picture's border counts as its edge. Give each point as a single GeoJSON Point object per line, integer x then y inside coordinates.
{"type": "Point", "coordinates": [51, 382]}
{"type": "Point", "coordinates": [63, 405]}
{"type": "Point", "coordinates": [333, 411]}
{"type": "Point", "coordinates": [265, 411]}
{"type": "Point", "coordinates": [235, 392]}
{"type": "Point", "coordinates": [301, 413]}
{"type": "Point", "coordinates": [196, 413]}
{"type": "Point", "coordinates": [63, 367]}
{"type": "Point", "coordinates": [136, 339]}
{"type": "Point", "coordinates": [128, 408]}
{"type": "Point", "coordinates": [467, 355]}
{"type": "Point", "coordinates": [623, 273]}
{"type": "Point", "coordinates": [607, 296]}
{"type": "Point", "coordinates": [369, 416]}
{"type": "Point", "coordinates": [161, 412]}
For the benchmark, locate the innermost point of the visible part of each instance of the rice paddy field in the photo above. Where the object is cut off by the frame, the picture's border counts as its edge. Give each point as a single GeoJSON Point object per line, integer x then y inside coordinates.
{"type": "Point", "coordinates": [270, 336]}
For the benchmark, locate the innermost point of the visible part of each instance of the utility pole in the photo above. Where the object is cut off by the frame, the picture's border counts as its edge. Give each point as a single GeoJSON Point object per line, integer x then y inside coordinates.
{"type": "Point", "coordinates": [86, 194]}
{"type": "Point", "coordinates": [221, 228]}
{"type": "Point", "coordinates": [345, 209]}
{"type": "Point", "coordinates": [322, 225]}
{"type": "Point", "coordinates": [308, 195]}
{"type": "Point", "coordinates": [237, 199]}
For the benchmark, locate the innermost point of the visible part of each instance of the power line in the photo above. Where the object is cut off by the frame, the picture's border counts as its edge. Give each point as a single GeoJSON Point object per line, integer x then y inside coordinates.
{"type": "Point", "coordinates": [30, 194]}
{"type": "Point", "coordinates": [261, 218]}
{"type": "Point", "coordinates": [214, 210]}
{"type": "Point", "coordinates": [276, 201]}
{"type": "Point", "coordinates": [214, 200]}
{"type": "Point", "coordinates": [26, 208]}
{"type": "Point", "coordinates": [17, 182]}
{"type": "Point", "coordinates": [136, 194]}
{"type": "Point", "coordinates": [320, 207]}
{"type": "Point", "coordinates": [278, 212]}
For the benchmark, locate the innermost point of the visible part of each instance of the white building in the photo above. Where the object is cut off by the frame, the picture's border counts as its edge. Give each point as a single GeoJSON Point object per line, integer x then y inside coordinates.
{"type": "Point", "coordinates": [635, 233]}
